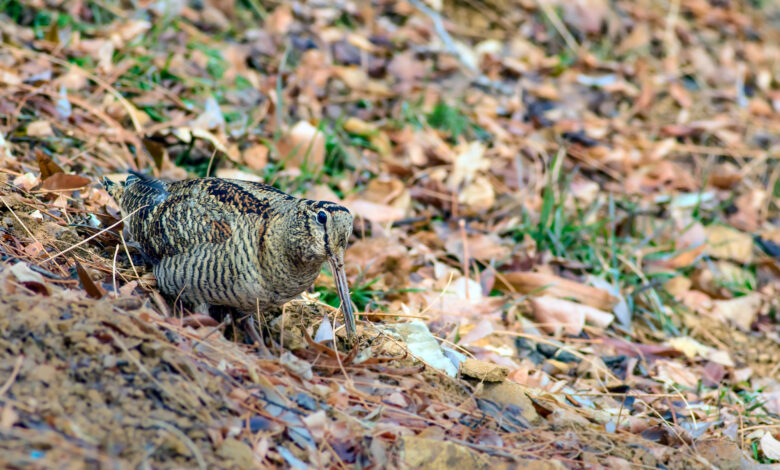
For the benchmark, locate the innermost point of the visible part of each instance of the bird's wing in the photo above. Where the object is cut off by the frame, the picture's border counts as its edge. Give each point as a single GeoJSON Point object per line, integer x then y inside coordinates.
{"type": "Point", "coordinates": [192, 213]}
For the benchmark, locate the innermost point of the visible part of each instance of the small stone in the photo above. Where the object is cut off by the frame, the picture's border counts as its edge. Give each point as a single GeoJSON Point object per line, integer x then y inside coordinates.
{"type": "Point", "coordinates": [483, 370]}
{"type": "Point", "coordinates": [237, 451]}
{"type": "Point", "coordinates": [511, 393]}
{"type": "Point", "coordinates": [432, 454]}
{"type": "Point", "coordinates": [726, 455]}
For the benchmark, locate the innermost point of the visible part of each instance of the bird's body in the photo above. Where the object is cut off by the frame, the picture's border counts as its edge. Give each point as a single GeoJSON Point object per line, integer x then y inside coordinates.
{"type": "Point", "coordinates": [233, 243]}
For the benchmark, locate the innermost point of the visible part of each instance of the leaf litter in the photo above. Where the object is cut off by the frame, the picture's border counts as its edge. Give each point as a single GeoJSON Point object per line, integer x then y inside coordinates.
{"type": "Point", "coordinates": [565, 251]}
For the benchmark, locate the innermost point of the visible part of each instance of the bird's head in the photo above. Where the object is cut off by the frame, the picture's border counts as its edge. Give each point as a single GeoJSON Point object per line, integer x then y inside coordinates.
{"type": "Point", "coordinates": [327, 227]}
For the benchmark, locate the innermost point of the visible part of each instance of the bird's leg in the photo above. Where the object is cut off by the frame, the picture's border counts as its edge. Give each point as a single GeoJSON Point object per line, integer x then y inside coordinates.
{"type": "Point", "coordinates": [250, 328]}
{"type": "Point", "coordinates": [245, 321]}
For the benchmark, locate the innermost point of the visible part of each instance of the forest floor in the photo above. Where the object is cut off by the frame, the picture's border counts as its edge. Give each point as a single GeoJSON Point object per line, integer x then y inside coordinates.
{"type": "Point", "coordinates": [566, 250]}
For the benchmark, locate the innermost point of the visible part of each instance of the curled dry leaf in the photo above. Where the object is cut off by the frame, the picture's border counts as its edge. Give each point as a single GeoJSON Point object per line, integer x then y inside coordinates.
{"type": "Point", "coordinates": [555, 286]}
{"type": "Point", "coordinates": [478, 195]}
{"type": "Point", "coordinates": [770, 446]}
{"type": "Point", "coordinates": [741, 310]}
{"type": "Point", "coordinates": [557, 315]}
{"type": "Point", "coordinates": [40, 129]}
{"type": "Point", "coordinates": [64, 182]}
{"type": "Point", "coordinates": [256, 157]}
{"type": "Point", "coordinates": [303, 145]}
{"type": "Point", "coordinates": [47, 166]}
{"type": "Point", "coordinates": [27, 181]}
{"type": "Point", "coordinates": [469, 161]}
{"type": "Point", "coordinates": [93, 290]}
{"type": "Point", "coordinates": [483, 247]}
{"type": "Point", "coordinates": [238, 174]}
{"type": "Point", "coordinates": [727, 243]}
{"type": "Point", "coordinates": [379, 213]}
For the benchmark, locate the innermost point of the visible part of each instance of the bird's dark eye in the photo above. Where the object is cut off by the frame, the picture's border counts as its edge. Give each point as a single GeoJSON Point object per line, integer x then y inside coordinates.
{"type": "Point", "coordinates": [322, 217]}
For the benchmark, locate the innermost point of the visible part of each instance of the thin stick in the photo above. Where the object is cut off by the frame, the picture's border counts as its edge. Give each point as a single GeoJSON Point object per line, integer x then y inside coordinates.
{"type": "Point", "coordinates": [441, 30]}
{"type": "Point", "coordinates": [211, 161]}
{"type": "Point", "coordinates": [559, 26]}
{"type": "Point", "coordinates": [184, 439]}
{"type": "Point", "coordinates": [127, 252]}
{"type": "Point", "coordinates": [93, 236]}
{"type": "Point", "coordinates": [14, 373]}
{"type": "Point", "coordinates": [113, 272]}
{"type": "Point", "coordinates": [466, 257]}
{"type": "Point", "coordinates": [449, 281]}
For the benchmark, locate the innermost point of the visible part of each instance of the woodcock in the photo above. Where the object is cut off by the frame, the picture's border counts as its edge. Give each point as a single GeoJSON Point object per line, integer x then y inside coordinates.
{"type": "Point", "coordinates": [232, 243]}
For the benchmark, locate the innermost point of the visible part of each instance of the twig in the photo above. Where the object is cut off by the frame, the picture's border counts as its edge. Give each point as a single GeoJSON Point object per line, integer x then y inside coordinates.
{"type": "Point", "coordinates": [12, 377]}
{"type": "Point", "coordinates": [438, 25]}
{"type": "Point", "coordinates": [559, 26]}
{"type": "Point", "coordinates": [184, 439]}
{"type": "Point", "coordinates": [93, 236]}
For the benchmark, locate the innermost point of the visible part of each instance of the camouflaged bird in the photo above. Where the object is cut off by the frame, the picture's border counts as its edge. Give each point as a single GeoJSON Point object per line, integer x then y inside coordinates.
{"type": "Point", "coordinates": [232, 243]}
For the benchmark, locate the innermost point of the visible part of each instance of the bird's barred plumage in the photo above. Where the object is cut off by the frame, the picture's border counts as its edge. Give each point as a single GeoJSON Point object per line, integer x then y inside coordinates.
{"type": "Point", "coordinates": [233, 243]}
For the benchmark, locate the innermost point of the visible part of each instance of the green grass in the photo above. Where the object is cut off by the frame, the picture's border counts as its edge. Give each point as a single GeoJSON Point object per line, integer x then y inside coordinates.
{"type": "Point", "coordinates": [363, 296]}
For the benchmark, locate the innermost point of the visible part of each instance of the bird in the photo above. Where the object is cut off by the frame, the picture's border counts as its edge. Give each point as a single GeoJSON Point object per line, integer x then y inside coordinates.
{"type": "Point", "coordinates": [240, 245]}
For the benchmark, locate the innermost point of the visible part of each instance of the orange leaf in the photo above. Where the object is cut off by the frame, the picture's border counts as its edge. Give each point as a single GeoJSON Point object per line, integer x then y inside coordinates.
{"type": "Point", "coordinates": [554, 286]}
{"type": "Point", "coordinates": [64, 182]}
{"type": "Point", "coordinates": [93, 290]}
{"type": "Point", "coordinates": [47, 165]}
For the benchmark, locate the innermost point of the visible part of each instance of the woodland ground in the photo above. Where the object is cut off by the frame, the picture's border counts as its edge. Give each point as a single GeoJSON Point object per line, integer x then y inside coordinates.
{"type": "Point", "coordinates": [579, 197]}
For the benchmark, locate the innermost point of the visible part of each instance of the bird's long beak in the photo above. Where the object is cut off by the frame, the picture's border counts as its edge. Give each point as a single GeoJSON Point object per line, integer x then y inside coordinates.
{"type": "Point", "coordinates": [337, 267]}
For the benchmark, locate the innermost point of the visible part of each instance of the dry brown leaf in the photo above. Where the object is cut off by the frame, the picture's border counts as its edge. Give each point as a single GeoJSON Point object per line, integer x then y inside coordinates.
{"type": "Point", "coordinates": [727, 243]}
{"type": "Point", "coordinates": [387, 190]}
{"type": "Point", "coordinates": [380, 213]}
{"type": "Point", "coordinates": [357, 79]}
{"type": "Point", "coordinates": [93, 290]}
{"type": "Point", "coordinates": [256, 157]}
{"type": "Point", "coordinates": [673, 373]}
{"type": "Point", "coordinates": [478, 195]}
{"type": "Point", "coordinates": [741, 310]}
{"type": "Point", "coordinates": [40, 129]}
{"type": "Point", "coordinates": [238, 174]}
{"type": "Point", "coordinates": [770, 446]}
{"type": "Point", "coordinates": [586, 16]}
{"type": "Point", "coordinates": [303, 145]}
{"type": "Point", "coordinates": [280, 21]}
{"type": "Point", "coordinates": [469, 161]}
{"type": "Point", "coordinates": [681, 260]}
{"type": "Point", "coordinates": [554, 286]}
{"type": "Point", "coordinates": [64, 182]}
{"type": "Point", "coordinates": [46, 165]}
{"type": "Point", "coordinates": [558, 316]}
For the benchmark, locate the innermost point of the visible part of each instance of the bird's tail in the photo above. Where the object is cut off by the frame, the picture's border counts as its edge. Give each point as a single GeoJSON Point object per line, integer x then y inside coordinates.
{"type": "Point", "coordinates": [115, 190]}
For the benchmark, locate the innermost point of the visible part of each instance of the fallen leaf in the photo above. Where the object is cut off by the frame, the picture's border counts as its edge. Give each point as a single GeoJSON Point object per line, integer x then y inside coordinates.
{"type": "Point", "coordinates": [23, 273]}
{"type": "Point", "coordinates": [554, 286]}
{"type": "Point", "coordinates": [231, 173]}
{"type": "Point", "coordinates": [741, 310]}
{"type": "Point", "coordinates": [46, 164]}
{"type": "Point", "coordinates": [40, 129]}
{"type": "Point", "coordinates": [558, 316]}
{"type": "Point", "coordinates": [770, 446]}
{"type": "Point", "coordinates": [727, 243]}
{"type": "Point", "coordinates": [64, 182]}
{"type": "Point", "coordinates": [303, 145]}
{"type": "Point", "coordinates": [211, 118]}
{"type": "Point", "coordinates": [93, 290]}
{"type": "Point", "coordinates": [256, 157]}
{"type": "Point", "coordinates": [379, 213]}
{"type": "Point", "coordinates": [478, 195]}
{"type": "Point", "coordinates": [27, 181]}
{"type": "Point", "coordinates": [469, 160]}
